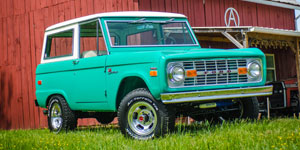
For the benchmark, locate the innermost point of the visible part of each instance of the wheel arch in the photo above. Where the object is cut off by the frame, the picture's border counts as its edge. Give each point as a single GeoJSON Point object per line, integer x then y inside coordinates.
{"type": "Point", "coordinates": [128, 84]}
{"type": "Point", "coordinates": [43, 97]}
{"type": "Point", "coordinates": [49, 97]}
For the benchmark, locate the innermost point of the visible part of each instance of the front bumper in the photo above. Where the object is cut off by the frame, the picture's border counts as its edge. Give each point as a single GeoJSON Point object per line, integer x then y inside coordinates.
{"type": "Point", "coordinates": [197, 96]}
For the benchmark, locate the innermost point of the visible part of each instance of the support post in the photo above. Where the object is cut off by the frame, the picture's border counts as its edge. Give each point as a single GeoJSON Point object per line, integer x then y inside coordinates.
{"type": "Point", "coordinates": [297, 65]}
{"type": "Point", "coordinates": [245, 40]}
{"type": "Point", "coordinates": [268, 107]}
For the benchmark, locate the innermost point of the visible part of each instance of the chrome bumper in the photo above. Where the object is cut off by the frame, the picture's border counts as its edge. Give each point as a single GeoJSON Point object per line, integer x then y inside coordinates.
{"type": "Point", "coordinates": [182, 97]}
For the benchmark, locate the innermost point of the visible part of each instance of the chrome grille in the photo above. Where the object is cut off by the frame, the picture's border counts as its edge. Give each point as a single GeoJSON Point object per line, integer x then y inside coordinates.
{"type": "Point", "coordinates": [215, 72]}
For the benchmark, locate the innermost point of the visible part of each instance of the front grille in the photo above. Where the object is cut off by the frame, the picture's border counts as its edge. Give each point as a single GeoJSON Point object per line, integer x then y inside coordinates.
{"type": "Point", "coordinates": [215, 72]}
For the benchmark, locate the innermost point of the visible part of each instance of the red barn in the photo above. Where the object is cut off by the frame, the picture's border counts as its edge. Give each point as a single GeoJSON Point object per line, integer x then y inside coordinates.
{"type": "Point", "coordinates": [22, 25]}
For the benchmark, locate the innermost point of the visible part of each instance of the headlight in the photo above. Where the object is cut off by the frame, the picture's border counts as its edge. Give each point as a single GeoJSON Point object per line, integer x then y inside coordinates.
{"type": "Point", "coordinates": [254, 70]}
{"type": "Point", "coordinates": [176, 74]}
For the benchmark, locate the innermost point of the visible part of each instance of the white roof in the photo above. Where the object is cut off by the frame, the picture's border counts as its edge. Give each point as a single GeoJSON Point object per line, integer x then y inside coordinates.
{"type": "Point", "coordinates": [117, 14]}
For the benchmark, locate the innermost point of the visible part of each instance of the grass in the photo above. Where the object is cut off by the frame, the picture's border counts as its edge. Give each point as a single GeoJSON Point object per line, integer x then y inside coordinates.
{"type": "Point", "coordinates": [277, 134]}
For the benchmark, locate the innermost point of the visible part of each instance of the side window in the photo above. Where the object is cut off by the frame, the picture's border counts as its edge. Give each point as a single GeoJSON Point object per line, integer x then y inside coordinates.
{"type": "Point", "coordinates": [271, 71]}
{"type": "Point", "coordinates": [59, 45]}
{"type": "Point", "coordinates": [91, 42]}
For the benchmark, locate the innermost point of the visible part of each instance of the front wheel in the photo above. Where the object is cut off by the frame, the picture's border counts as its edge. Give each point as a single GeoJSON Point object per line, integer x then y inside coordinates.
{"type": "Point", "coordinates": [142, 117]}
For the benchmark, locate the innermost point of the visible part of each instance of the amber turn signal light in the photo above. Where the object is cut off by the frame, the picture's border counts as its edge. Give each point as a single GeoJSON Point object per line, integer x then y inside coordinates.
{"type": "Point", "coordinates": [153, 73]}
{"type": "Point", "coordinates": [191, 73]}
{"type": "Point", "coordinates": [242, 70]}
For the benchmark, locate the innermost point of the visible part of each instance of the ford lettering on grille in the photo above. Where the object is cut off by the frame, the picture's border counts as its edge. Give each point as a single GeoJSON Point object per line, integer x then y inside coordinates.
{"type": "Point", "coordinates": [215, 72]}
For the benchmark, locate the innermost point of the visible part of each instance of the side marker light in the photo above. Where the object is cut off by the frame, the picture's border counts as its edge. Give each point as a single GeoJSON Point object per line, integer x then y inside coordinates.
{"type": "Point", "coordinates": [153, 73]}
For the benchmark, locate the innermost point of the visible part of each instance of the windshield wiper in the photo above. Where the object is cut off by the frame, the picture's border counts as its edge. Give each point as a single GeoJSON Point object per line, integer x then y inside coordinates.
{"type": "Point", "coordinates": [167, 21]}
{"type": "Point", "coordinates": [142, 20]}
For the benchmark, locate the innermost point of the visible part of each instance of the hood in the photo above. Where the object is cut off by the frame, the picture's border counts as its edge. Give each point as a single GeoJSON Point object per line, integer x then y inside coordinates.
{"type": "Point", "coordinates": [153, 56]}
{"type": "Point", "coordinates": [203, 53]}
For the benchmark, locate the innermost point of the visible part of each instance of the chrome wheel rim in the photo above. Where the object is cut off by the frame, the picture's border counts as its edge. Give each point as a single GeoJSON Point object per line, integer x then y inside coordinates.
{"type": "Point", "coordinates": [142, 118]}
{"type": "Point", "coordinates": [56, 117]}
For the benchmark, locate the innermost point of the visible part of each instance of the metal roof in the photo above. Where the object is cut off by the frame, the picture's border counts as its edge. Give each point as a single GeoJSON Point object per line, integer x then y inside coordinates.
{"type": "Point", "coordinates": [293, 2]}
{"type": "Point", "coordinates": [264, 30]}
{"type": "Point", "coordinates": [116, 14]}
{"type": "Point", "coordinates": [290, 4]}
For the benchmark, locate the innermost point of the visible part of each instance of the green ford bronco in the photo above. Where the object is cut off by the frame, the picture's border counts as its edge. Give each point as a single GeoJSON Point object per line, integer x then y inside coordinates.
{"type": "Point", "coordinates": [145, 68]}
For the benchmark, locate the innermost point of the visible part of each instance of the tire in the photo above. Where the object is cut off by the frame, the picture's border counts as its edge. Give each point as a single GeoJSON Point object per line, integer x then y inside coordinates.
{"type": "Point", "coordinates": [106, 117]}
{"type": "Point", "coordinates": [142, 117]}
{"type": "Point", "coordinates": [251, 108]}
{"type": "Point", "coordinates": [60, 116]}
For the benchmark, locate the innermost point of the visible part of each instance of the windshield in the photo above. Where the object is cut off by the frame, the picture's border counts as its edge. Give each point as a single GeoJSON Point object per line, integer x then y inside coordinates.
{"type": "Point", "coordinates": [149, 33]}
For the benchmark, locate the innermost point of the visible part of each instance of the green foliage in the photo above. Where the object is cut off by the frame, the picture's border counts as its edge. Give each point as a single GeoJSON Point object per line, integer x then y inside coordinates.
{"type": "Point", "coordinates": [275, 134]}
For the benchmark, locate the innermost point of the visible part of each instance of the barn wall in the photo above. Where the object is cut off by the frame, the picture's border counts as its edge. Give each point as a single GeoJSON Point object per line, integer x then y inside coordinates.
{"type": "Point", "coordinates": [22, 25]}
{"type": "Point", "coordinates": [285, 62]}
{"type": "Point", "coordinates": [211, 12]}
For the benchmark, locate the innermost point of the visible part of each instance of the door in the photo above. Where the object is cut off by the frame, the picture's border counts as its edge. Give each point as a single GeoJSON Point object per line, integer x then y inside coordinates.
{"type": "Point", "coordinates": [89, 69]}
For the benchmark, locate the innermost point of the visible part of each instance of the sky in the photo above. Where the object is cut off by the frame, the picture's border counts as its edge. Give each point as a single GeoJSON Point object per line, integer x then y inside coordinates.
{"type": "Point", "coordinates": [297, 12]}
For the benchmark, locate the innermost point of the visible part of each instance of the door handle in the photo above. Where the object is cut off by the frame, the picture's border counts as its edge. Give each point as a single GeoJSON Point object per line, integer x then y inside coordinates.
{"type": "Point", "coordinates": [75, 62]}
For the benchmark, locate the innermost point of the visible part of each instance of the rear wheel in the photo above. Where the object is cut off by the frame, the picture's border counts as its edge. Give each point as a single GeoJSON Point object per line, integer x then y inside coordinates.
{"type": "Point", "coordinates": [251, 108]}
{"type": "Point", "coordinates": [60, 116]}
{"type": "Point", "coordinates": [142, 117]}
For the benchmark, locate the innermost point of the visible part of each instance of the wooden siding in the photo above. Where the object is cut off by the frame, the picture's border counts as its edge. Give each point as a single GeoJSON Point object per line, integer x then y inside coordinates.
{"type": "Point", "coordinates": [22, 25]}
{"type": "Point", "coordinates": [285, 62]}
{"type": "Point", "coordinates": [211, 12]}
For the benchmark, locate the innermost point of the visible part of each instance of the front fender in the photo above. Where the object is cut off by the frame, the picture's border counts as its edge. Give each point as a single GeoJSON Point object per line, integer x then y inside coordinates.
{"type": "Point", "coordinates": [141, 71]}
{"type": "Point", "coordinates": [152, 83]}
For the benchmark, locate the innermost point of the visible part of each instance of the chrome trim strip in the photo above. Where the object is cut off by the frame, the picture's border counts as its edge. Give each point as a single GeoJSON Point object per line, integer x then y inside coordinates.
{"type": "Point", "coordinates": [169, 98]}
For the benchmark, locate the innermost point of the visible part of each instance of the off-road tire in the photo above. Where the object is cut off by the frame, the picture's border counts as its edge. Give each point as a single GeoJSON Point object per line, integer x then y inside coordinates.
{"type": "Point", "coordinates": [106, 117]}
{"type": "Point", "coordinates": [251, 108]}
{"type": "Point", "coordinates": [165, 117]}
{"type": "Point", "coordinates": [69, 119]}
